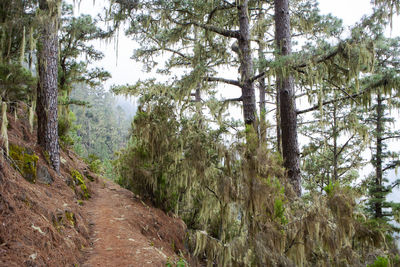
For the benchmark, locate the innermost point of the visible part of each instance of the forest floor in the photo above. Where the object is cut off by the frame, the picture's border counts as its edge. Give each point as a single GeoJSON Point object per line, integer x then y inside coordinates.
{"type": "Point", "coordinates": [127, 232]}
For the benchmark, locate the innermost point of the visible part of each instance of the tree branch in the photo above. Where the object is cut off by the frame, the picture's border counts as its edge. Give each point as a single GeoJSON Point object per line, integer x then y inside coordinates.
{"type": "Point", "coordinates": [258, 76]}
{"type": "Point", "coordinates": [329, 102]}
{"type": "Point", "coordinates": [322, 58]}
{"type": "Point", "coordinates": [218, 79]}
{"type": "Point", "coordinates": [390, 137]}
{"type": "Point", "coordinates": [233, 99]}
{"type": "Point", "coordinates": [391, 166]}
{"type": "Point", "coordinates": [343, 147]}
{"type": "Point", "coordinates": [373, 85]}
{"type": "Point", "coordinates": [341, 89]}
{"type": "Point", "coordinates": [305, 64]}
{"type": "Point", "coordinates": [223, 32]}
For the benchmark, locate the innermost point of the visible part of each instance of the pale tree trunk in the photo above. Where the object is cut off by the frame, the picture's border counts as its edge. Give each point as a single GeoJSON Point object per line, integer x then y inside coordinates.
{"type": "Point", "coordinates": [335, 145]}
{"type": "Point", "coordinates": [262, 88]}
{"type": "Point", "coordinates": [284, 81]}
{"type": "Point", "coordinates": [378, 158]}
{"type": "Point", "coordinates": [47, 89]}
{"type": "Point", "coordinates": [263, 111]}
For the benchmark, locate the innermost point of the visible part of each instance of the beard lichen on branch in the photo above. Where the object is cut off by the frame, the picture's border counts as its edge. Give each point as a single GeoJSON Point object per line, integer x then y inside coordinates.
{"type": "Point", "coordinates": [234, 196]}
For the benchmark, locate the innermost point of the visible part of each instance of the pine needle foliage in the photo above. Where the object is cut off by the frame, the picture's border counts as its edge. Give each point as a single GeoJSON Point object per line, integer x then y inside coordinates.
{"type": "Point", "coordinates": [16, 83]}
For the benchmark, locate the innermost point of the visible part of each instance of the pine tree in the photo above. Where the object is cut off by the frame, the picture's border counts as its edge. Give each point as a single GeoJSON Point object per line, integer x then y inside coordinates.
{"type": "Point", "coordinates": [47, 93]}
{"type": "Point", "coordinates": [336, 137]}
{"type": "Point", "coordinates": [383, 101]}
{"type": "Point", "coordinates": [382, 160]}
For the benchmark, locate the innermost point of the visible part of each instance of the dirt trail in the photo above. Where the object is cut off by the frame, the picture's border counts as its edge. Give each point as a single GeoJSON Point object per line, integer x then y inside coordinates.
{"type": "Point", "coordinates": [127, 232]}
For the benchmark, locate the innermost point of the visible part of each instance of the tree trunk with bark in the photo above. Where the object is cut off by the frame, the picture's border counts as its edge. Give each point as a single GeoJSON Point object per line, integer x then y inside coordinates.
{"type": "Point", "coordinates": [278, 123]}
{"type": "Point", "coordinates": [284, 81]}
{"type": "Point", "coordinates": [47, 92]}
{"type": "Point", "coordinates": [246, 67]}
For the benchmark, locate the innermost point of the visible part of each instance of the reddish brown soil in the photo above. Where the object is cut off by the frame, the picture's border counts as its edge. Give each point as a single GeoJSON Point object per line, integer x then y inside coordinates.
{"type": "Point", "coordinates": [34, 230]}
{"type": "Point", "coordinates": [127, 232]}
{"type": "Point", "coordinates": [113, 228]}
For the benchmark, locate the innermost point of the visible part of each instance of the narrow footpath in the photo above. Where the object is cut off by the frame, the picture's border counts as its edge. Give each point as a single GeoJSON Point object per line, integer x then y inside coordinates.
{"type": "Point", "coordinates": [127, 232]}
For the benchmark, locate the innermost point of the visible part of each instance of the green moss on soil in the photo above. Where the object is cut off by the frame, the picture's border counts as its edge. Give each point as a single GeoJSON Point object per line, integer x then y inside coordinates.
{"type": "Point", "coordinates": [79, 180]}
{"type": "Point", "coordinates": [70, 217]}
{"type": "Point", "coordinates": [25, 161]}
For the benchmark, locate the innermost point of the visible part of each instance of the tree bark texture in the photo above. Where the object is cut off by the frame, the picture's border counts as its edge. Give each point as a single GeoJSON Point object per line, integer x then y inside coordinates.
{"type": "Point", "coordinates": [278, 123]}
{"type": "Point", "coordinates": [47, 92]}
{"type": "Point", "coordinates": [246, 67]}
{"type": "Point", "coordinates": [285, 87]}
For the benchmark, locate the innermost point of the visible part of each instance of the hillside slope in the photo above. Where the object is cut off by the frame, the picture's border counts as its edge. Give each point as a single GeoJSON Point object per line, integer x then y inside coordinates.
{"type": "Point", "coordinates": [76, 217]}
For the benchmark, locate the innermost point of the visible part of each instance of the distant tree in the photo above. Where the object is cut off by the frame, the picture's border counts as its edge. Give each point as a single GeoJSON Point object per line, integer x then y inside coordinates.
{"type": "Point", "coordinates": [383, 160]}
{"type": "Point", "coordinates": [336, 136]}
{"type": "Point", "coordinates": [383, 102]}
{"type": "Point", "coordinates": [101, 127]}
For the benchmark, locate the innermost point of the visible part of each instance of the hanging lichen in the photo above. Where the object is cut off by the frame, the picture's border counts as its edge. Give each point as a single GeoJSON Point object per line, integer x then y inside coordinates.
{"type": "Point", "coordinates": [234, 194]}
{"type": "Point", "coordinates": [22, 49]}
{"type": "Point", "coordinates": [31, 115]}
{"type": "Point", "coordinates": [4, 125]}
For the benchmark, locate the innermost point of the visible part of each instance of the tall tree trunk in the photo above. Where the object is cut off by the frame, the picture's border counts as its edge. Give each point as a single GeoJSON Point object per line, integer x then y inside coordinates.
{"type": "Point", "coordinates": [262, 87]}
{"type": "Point", "coordinates": [378, 158]}
{"type": "Point", "coordinates": [263, 111]}
{"type": "Point", "coordinates": [335, 147]}
{"type": "Point", "coordinates": [278, 123]}
{"type": "Point", "coordinates": [246, 67]}
{"type": "Point", "coordinates": [284, 81]}
{"type": "Point", "coordinates": [48, 90]}
{"type": "Point", "coordinates": [261, 81]}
